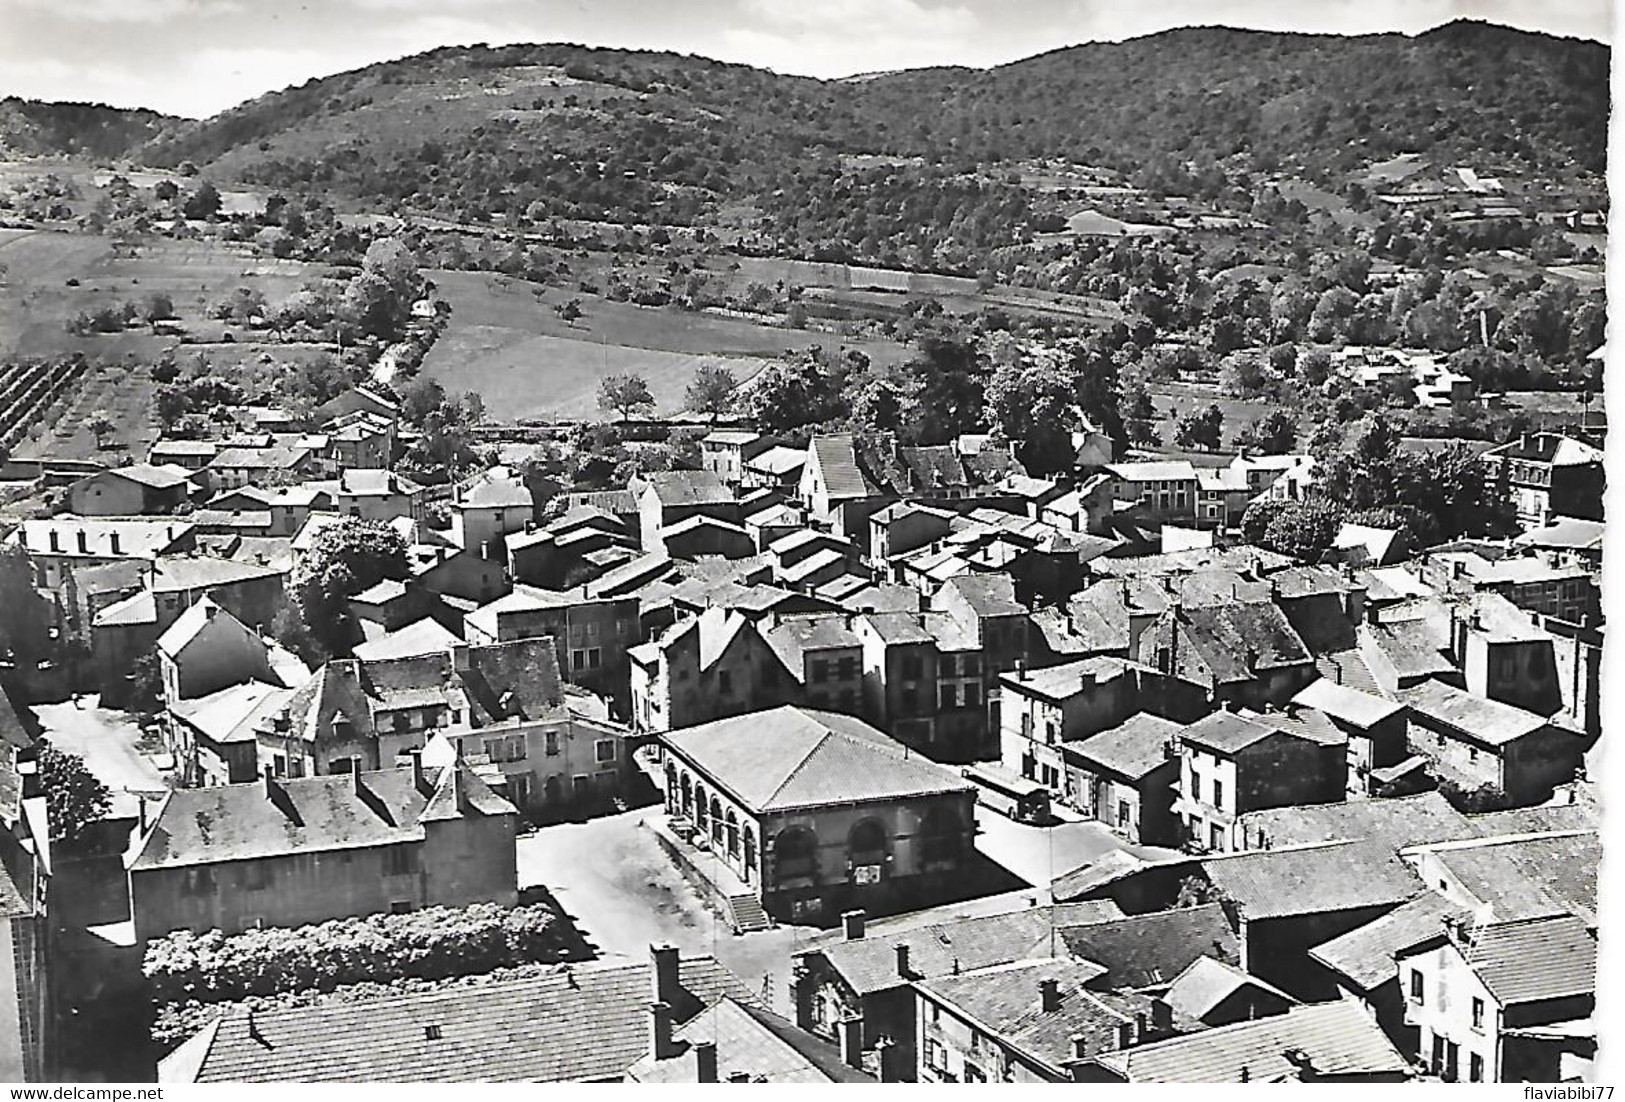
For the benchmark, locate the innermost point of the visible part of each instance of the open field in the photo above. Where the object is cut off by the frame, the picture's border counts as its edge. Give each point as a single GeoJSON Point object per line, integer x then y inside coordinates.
{"type": "Point", "coordinates": [1175, 401]}
{"type": "Point", "coordinates": [506, 343]}
{"type": "Point", "coordinates": [51, 276]}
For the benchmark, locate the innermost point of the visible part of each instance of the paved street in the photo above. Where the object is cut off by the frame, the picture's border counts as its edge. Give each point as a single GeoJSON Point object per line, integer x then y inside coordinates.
{"type": "Point", "coordinates": [1039, 854]}
{"type": "Point", "coordinates": [623, 893]}
{"type": "Point", "coordinates": [107, 740]}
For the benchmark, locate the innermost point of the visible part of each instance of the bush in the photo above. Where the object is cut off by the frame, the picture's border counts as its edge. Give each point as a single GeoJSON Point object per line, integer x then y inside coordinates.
{"type": "Point", "coordinates": [433, 943]}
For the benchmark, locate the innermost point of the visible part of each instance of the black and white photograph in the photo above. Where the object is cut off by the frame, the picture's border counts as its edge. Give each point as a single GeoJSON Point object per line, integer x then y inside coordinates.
{"type": "Point", "coordinates": [802, 541]}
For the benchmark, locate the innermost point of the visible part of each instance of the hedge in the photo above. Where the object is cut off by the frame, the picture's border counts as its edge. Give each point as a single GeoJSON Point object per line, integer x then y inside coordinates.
{"type": "Point", "coordinates": [433, 943]}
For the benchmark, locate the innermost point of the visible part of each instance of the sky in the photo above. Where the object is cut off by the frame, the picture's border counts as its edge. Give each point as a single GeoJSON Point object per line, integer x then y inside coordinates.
{"type": "Point", "coordinates": [198, 57]}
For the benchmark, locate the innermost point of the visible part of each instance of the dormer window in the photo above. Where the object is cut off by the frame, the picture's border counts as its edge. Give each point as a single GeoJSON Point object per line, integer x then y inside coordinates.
{"type": "Point", "coordinates": [508, 704]}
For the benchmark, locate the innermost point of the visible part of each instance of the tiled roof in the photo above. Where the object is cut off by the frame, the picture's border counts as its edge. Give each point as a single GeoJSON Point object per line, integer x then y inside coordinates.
{"type": "Point", "coordinates": [1479, 718]}
{"type": "Point", "coordinates": [838, 466]}
{"type": "Point", "coordinates": [778, 461]}
{"type": "Point", "coordinates": [1131, 749]}
{"type": "Point", "coordinates": [884, 597]}
{"type": "Point", "coordinates": [793, 638]}
{"type": "Point", "coordinates": [158, 477]}
{"type": "Point", "coordinates": [1528, 877]}
{"type": "Point", "coordinates": [138, 537]}
{"type": "Point", "coordinates": [1347, 703]}
{"type": "Point", "coordinates": [588, 1023]}
{"type": "Point", "coordinates": [794, 757]}
{"type": "Point", "coordinates": [687, 488]}
{"type": "Point", "coordinates": [1281, 883]}
{"type": "Point", "coordinates": [425, 636]}
{"type": "Point", "coordinates": [1566, 533]}
{"type": "Point", "coordinates": [235, 822]}
{"type": "Point", "coordinates": [1405, 821]}
{"type": "Point", "coordinates": [751, 1042]}
{"type": "Point", "coordinates": [173, 573]}
{"type": "Point", "coordinates": [137, 608]}
{"type": "Point", "coordinates": [988, 594]}
{"type": "Point", "coordinates": [226, 715]}
{"type": "Point", "coordinates": [1236, 640]}
{"type": "Point", "coordinates": [191, 622]}
{"type": "Point", "coordinates": [1366, 953]}
{"type": "Point", "coordinates": [495, 489]}
{"type": "Point", "coordinates": [1154, 471]}
{"type": "Point", "coordinates": [1227, 732]}
{"type": "Point", "coordinates": [869, 964]}
{"type": "Point", "coordinates": [1206, 983]}
{"type": "Point", "coordinates": [1063, 682]}
{"type": "Point", "coordinates": [1338, 1038]}
{"type": "Point", "coordinates": [278, 457]}
{"type": "Point", "coordinates": [1005, 1000]}
{"type": "Point", "coordinates": [1538, 958]}
{"type": "Point", "coordinates": [1146, 950]}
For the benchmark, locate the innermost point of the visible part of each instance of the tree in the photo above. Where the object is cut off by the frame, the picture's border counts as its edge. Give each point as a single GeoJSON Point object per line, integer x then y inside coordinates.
{"type": "Point", "coordinates": [1139, 413]}
{"type": "Point", "coordinates": [946, 377]}
{"type": "Point", "coordinates": [712, 391]}
{"type": "Point", "coordinates": [1031, 406]}
{"type": "Point", "coordinates": [158, 307]}
{"type": "Point", "coordinates": [75, 799]}
{"type": "Point", "coordinates": [1204, 430]}
{"type": "Point", "coordinates": [570, 310]}
{"type": "Point", "coordinates": [203, 204]}
{"type": "Point", "coordinates": [625, 394]}
{"type": "Point", "coordinates": [1274, 434]}
{"type": "Point", "coordinates": [146, 684]}
{"type": "Point", "coordinates": [1244, 374]}
{"type": "Point", "coordinates": [165, 191]}
{"type": "Point", "coordinates": [1305, 530]}
{"type": "Point", "coordinates": [346, 557]}
{"type": "Point", "coordinates": [100, 424]}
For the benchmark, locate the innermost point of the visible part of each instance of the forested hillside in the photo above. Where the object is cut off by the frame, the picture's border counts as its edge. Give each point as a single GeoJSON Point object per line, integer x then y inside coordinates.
{"type": "Point", "coordinates": [33, 128]}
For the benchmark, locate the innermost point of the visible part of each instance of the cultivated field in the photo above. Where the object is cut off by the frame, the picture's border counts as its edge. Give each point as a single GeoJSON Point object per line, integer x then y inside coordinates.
{"type": "Point", "coordinates": [507, 344]}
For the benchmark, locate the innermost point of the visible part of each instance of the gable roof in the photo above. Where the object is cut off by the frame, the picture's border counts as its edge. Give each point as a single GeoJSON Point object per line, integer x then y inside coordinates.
{"type": "Point", "coordinates": [988, 594]}
{"type": "Point", "coordinates": [1366, 953]}
{"type": "Point", "coordinates": [1352, 706]}
{"type": "Point", "coordinates": [1206, 983]}
{"type": "Point", "coordinates": [687, 488]}
{"type": "Point", "coordinates": [1229, 733]}
{"type": "Point", "coordinates": [869, 964]}
{"type": "Point", "coordinates": [837, 462]}
{"type": "Point", "coordinates": [585, 1023]}
{"type": "Point", "coordinates": [236, 822]}
{"type": "Point", "coordinates": [1282, 883]}
{"type": "Point", "coordinates": [191, 623]}
{"type": "Point", "coordinates": [1005, 1000]}
{"type": "Point", "coordinates": [1132, 749]}
{"type": "Point", "coordinates": [1478, 718]}
{"type": "Point", "coordinates": [752, 1042]}
{"type": "Point", "coordinates": [1339, 1039]}
{"type": "Point", "coordinates": [161, 476]}
{"type": "Point", "coordinates": [792, 757]}
{"type": "Point", "coordinates": [1528, 876]}
{"type": "Point", "coordinates": [1147, 950]}
{"type": "Point", "coordinates": [1401, 821]}
{"type": "Point", "coordinates": [425, 636]}
{"type": "Point", "coordinates": [1238, 639]}
{"type": "Point", "coordinates": [1535, 959]}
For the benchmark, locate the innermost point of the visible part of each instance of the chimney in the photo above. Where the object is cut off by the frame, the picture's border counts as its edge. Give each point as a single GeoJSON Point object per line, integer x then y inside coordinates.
{"type": "Point", "coordinates": [417, 773]}
{"type": "Point", "coordinates": [1140, 1031]}
{"type": "Point", "coordinates": [84, 541]}
{"type": "Point", "coordinates": [113, 542]}
{"type": "Point", "coordinates": [851, 1030]}
{"type": "Point", "coordinates": [661, 1044]}
{"type": "Point", "coordinates": [141, 802]}
{"type": "Point", "coordinates": [1125, 1035]}
{"type": "Point", "coordinates": [1021, 669]}
{"type": "Point", "coordinates": [666, 985]}
{"type": "Point", "coordinates": [1080, 1047]}
{"type": "Point", "coordinates": [459, 657]}
{"type": "Point", "coordinates": [209, 609]}
{"type": "Point", "coordinates": [1049, 995]}
{"type": "Point", "coordinates": [891, 1060]}
{"type": "Point", "coordinates": [705, 1062]}
{"type": "Point", "coordinates": [1086, 682]}
{"type": "Point", "coordinates": [1299, 1059]}
{"type": "Point", "coordinates": [852, 923]}
{"type": "Point", "coordinates": [1162, 1017]}
{"type": "Point", "coordinates": [355, 778]}
{"type": "Point", "coordinates": [903, 969]}
{"type": "Point", "coordinates": [56, 540]}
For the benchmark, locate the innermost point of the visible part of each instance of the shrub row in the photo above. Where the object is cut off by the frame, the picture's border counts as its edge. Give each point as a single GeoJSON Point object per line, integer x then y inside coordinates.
{"type": "Point", "coordinates": [429, 944]}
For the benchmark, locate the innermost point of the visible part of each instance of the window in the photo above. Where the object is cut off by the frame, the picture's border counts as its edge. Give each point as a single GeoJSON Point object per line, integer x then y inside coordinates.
{"type": "Point", "coordinates": [595, 658]}
{"type": "Point", "coordinates": [1218, 792]}
{"type": "Point", "coordinates": [847, 669]}
{"type": "Point", "coordinates": [1416, 987]}
{"type": "Point", "coordinates": [604, 750]}
{"type": "Point", "coordinates": [1122, 813]}
{"type": "Point", "coordinates": [973, 695]}
{"type": "Point", "coordinates": [578, 660]}
{"type": "Point", "coordinates": [913, 668]}
{"type": "Point", "coordinates": [974, 1074]}
{"type": "Point", "coordinates": [820, 671]}
{"type": "Point", "coordinates": [725, 682]}
{"type": "Point", "coordinates": [1478, 1013]}
{"type": "Point", "coordinates": [552, 744]}
{"type": "Point", "coordinates": [950, 696]}
{"type": "Point", "coordinates": [970, 665]}
{"type": "Point", "coordinates": [1475, 1068]}
{"type": "Point", "coordinates": [910, 699]}
{"type": "Point", "coordinates": [1051, 731]}
{"type": "Point", "coordinates": [400, 721]}
{"type": "Point", "coordinates": [1026, 725]}
{"type": "Point", "coordinates": [1216, 837]}
{"type": "Point", "coordinates": [199, 881]}
{"type": "Point", "coordinates": [400, 861]}
{"type": "Point", "coordinates": [505, 748]}
{"type": "Point", "coordinates": [945, 666]}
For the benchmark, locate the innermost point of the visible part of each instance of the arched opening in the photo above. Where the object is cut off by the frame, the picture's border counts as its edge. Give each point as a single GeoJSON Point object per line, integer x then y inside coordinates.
{"type": "Point", "coordinates": [702, 818]}
{"type": "Point", "coordinates": [750, 852]}
{"type": "Point", "coordinates": [795, 853]}
{"type": "Point", "coordinates": [550, 790]}
{"type": "Point", "coordinates": [672, 794]}
{"type": "Point", "coordinates": [942, 837]}
{"type": "Point", "coordinates": [733, 834]}
{"type": "Point", "coordinates": [688, 796]}
{"type": "Point", "coordinates": [716, 822]}
{"type": "Point", "coordinates": [868, 843]}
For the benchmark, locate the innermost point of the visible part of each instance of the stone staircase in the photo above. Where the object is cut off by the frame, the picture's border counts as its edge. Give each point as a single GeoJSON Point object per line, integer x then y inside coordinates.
{"type": "Point", "coordinates": [746, 914]}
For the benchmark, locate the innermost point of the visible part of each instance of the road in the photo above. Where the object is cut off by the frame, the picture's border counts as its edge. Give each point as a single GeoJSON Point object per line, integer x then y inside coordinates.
{"type": "Point", "coordinates": [107, 740]}
{"type": "Point", "coordinates": [1040, 854]}
{"type": "Point", "coordinates": [623, 893]}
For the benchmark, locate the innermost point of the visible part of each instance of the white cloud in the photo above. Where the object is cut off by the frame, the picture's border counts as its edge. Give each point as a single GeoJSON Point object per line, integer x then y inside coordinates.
{"type": "Point", "coordinates": [129, 11]}
{"type": "Point", "coordinates": [854, 20]}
